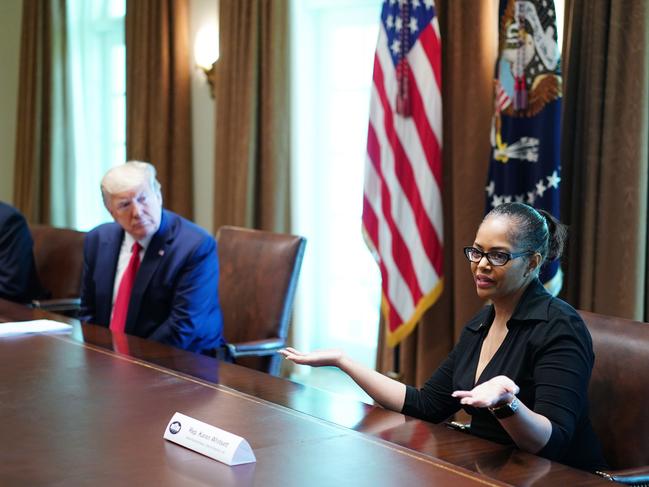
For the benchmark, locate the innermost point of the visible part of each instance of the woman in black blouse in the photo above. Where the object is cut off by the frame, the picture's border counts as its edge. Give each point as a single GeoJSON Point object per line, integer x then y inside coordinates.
{"type": "Point", "coordinates": [522, 364]}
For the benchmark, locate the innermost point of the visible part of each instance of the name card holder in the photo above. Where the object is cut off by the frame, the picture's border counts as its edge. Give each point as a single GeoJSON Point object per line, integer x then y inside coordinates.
{"type": "Point", "coordinates": [208, 440]}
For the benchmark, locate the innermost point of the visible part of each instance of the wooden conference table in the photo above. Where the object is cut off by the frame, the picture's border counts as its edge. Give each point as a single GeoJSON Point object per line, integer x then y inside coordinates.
{"type": "Point", "coordinates": [90, 408]}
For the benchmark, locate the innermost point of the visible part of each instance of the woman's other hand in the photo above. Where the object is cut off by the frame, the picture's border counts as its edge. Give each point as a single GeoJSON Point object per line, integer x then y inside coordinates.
{"type": "Point", "coordinates": [499, 390]}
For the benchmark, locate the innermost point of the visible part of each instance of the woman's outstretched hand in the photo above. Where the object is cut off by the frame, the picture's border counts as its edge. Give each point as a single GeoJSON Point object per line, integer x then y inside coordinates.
{"type": "Point", "coordinates": [318, 358]}
{"type": "Point", "coordinates": [495, 391]}
{"type": "Point", "coordinates": [387, 392]}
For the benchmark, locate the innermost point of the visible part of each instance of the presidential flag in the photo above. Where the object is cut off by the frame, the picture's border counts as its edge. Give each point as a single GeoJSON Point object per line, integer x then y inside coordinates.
{"type": "Point", "coordinates": [525, 137]}
{"type": "Point", "coordinates": [402, 202]}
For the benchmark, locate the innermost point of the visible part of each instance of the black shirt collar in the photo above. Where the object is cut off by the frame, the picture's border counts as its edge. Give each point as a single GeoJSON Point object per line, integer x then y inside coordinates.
{"type": "Point", "coordinates": [533, 306]}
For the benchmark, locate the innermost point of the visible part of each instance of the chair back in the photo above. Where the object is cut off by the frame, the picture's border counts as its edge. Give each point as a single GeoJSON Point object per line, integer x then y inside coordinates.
{"type": "Point", "coordinates": [619, 388]}
{"type": "Point", "coordinates": [58, 253]}
{"type": "Point", "coordinates": [258, 276]}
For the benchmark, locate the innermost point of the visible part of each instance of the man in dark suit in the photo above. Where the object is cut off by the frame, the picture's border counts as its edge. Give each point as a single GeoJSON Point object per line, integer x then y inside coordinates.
{"type": "Point", "coordinates": [152, 273]}
{"type": "Point", "coordinates": [18, 279]}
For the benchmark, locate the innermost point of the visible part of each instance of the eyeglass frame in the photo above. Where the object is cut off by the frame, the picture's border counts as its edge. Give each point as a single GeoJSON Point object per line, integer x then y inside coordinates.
{"type": "Point", "coordinates": [510, 255]}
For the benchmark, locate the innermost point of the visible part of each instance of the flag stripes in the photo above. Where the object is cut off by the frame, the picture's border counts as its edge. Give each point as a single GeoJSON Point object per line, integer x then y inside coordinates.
{"type": "Point", "coordinates": [402, 203]}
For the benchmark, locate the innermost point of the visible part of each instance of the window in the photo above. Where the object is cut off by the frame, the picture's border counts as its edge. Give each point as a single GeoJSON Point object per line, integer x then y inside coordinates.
{"type": "Point", "coordinates": [339, 292]}
{"type": "Point", "coordinates": [97, 56]}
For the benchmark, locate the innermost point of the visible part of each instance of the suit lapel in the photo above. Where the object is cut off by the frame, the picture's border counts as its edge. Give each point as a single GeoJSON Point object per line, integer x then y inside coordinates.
{"type": "Point", "coordinates": [107, 267]}
{"type": "Point", "coordinates": [152, 258]}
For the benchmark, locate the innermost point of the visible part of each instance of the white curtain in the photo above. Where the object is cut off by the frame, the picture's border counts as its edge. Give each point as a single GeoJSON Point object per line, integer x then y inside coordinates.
{"type": "Point", "coordinates": [97, 102]}
{"type": "Point", "coordinates": [338, 298]}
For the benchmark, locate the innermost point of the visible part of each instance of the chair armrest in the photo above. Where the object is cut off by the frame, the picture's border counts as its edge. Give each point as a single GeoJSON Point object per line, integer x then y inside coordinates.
{"type": "Point", "coordinates": [68, 306]}
{"type": "Point", "coordinates": [259, 348]}
{"type": "Point", "coordinates": [638, 476]}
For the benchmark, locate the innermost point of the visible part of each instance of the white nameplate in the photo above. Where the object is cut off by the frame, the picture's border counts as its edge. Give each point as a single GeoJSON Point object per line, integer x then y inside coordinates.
{"type": "Point", "coordinates": [34, 326]}
{"type": "Point", "coordinates": [208, 440]}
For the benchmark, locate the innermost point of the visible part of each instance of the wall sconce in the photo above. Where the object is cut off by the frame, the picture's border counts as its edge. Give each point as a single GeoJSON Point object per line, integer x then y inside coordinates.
{"type": "Point", "coordinates": [206, 52]}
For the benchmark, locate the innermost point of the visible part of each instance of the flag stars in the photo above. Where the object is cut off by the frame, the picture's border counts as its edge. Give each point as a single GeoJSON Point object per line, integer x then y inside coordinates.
{"type": "Point", "coordinates": [553, 180]}
{"type": "Point", "coordinates": [398, 24]}
{"type": "Point", "coordinates": [540, 188]}
{"type": "Point", "coordinates": [530, 197]}
{"type": "Point", "coordinates": [415, 4]}
{"type": "Point", "coordinates": [429, 3]}
{"type": "Point", "coordinates": [496, 201]}
{"type": "Point", "coordinates": [396, 46]}
{"type": "Point", "coordinates": [520, 198]}
{"type": "Point", "coordinates": [389, 22]}
{"type": "Point", "coordinates": [413, 24]}
{"type": "Point", "coordinates": [507, 198]}
{"type": "Point", "coordinates": [491, 188]}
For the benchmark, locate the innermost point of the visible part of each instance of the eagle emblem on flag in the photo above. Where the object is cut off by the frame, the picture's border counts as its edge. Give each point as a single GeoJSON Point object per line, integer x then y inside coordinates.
{"type": "Point", "coordinates": [525, 134]}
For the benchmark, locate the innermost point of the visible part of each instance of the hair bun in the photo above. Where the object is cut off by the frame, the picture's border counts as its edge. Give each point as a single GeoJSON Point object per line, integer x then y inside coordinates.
{"type": "Point", "coordinates": [557, 235]}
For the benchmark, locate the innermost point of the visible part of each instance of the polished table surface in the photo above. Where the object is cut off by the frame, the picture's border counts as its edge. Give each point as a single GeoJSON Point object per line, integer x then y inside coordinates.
{"type": "Point", "coordinates": [91, 407]}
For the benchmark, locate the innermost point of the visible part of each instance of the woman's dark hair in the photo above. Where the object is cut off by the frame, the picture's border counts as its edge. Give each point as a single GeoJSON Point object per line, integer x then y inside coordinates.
{"type": "Point", "coordinates": [535, 230]}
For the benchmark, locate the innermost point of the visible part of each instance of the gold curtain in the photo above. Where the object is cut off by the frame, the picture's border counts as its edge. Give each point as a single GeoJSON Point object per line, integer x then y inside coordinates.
{"type": "Point", "coordinates": [251, 89]}
{"type": "Point", "coordinates": [604, 156]}
{"type": "Point", "coordinates": [469, 48]}
{"type": "Point", "coordinates": [42, 52]}
{"type": "Point", "coordinates": [158, 111]}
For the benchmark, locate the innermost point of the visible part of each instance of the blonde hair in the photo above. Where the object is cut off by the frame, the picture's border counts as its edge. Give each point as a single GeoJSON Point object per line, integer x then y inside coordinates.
{"type": "Point", "coordinates": [127, 176]}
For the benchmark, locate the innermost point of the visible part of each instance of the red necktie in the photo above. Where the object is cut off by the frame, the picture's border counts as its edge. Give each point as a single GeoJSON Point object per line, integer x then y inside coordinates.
{"type": "Point", "coordinates": [120, 310]}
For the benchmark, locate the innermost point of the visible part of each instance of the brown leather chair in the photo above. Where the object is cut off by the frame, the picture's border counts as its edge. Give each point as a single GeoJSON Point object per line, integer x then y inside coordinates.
{"type": "Point", "coordinates": [618, 393]}
{"type": "Point", "coordinates": [258, 276]}
{"type": "Point", "coordinates": [58, 253]}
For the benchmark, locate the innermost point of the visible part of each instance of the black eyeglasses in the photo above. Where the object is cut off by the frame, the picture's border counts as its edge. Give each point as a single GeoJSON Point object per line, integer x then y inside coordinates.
{"type": "Point", "coordinates": [495, 257]}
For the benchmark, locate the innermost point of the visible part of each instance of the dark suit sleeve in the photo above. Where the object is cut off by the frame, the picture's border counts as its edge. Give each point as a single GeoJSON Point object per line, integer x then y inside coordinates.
{"type": "Point", "coordinates": [561, 377]}
{"type": "Point", "coordinates": [16, 259]}
{"type": "Point", "coordinates": [88, 310]}
{"type": "Point", "coordinates": [195, 321]}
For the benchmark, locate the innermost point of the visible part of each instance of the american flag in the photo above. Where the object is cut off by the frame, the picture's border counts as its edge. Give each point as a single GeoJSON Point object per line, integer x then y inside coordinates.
{"type": "Point", "coordinates": [402, 201]}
